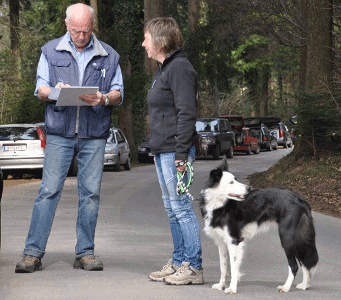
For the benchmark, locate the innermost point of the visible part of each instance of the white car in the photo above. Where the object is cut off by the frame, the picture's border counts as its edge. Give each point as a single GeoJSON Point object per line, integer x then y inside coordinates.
{"type": "Point", "coordinates": [22, 149]}
{"type": "Point", "coordinates": [117, 151]}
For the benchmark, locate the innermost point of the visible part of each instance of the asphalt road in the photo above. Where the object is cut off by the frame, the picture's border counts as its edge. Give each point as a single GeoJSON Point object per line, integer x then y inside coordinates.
{"type": "Point", "coordinates": [133, 239]}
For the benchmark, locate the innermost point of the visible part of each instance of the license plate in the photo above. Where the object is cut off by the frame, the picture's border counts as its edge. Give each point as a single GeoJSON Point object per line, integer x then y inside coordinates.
{"type": "Point", "coordinates": [14, 148]}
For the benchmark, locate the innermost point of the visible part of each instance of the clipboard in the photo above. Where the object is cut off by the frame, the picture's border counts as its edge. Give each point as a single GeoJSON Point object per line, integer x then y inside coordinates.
{"type": "Point", "coordinates": [69, 95]}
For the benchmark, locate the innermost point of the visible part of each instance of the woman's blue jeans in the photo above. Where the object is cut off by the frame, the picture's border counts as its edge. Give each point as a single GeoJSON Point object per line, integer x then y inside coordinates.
{"type": "Point", "coordinates": [183, 221]}
{"type": "Point", "coordinates": [58, 157]}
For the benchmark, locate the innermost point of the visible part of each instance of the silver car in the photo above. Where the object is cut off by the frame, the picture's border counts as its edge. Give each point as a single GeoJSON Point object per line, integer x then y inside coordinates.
{"type": "Point", "coordinates": [22, 149]}
{"type": "Point", "coordinates": [117, 151]}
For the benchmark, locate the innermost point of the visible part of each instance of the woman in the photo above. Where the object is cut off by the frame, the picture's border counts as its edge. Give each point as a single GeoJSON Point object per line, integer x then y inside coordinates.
{"type": "Point", "coordinates": [172, 115]}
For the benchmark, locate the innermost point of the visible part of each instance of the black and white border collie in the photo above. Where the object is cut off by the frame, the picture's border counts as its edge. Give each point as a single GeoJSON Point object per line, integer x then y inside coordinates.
{"type": "Point", "coordinates": [234, 213]}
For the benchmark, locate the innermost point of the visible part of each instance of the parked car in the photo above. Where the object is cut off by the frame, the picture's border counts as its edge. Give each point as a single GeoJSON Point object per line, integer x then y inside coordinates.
{"type": "Point", "coordinates": [279, 129]}
{"type": "Point", "coordinates": [267, 140]}
{"type": "Point", "coordinates": [250, 142]}
{"type": "Point", "coordinates": [22, 149]}
{"type": "Point", "coordinates": [117, 153]}
{"type": "Point", "coordinates": [145, 155]}
{"type": "Point", "coordinates": [237, 124]}
{"type": "Point", "coordinates": [215, 137]}
{"type": "Point", "coordinates": [245, 139]}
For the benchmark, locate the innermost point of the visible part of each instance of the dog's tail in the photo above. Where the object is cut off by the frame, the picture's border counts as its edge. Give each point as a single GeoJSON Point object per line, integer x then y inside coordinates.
{"type": "Point", "coordinates": [306, 251]}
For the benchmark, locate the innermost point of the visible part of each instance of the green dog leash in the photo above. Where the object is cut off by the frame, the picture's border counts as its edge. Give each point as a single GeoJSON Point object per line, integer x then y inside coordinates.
{"type": "Point", "coordinates": [181, 187]}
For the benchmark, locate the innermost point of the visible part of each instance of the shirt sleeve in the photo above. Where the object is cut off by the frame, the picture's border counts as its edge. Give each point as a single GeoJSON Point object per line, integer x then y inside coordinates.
{"type": "Point", "coordinates": [43, 78]}
{"type": "Point", "coordinates": [117, 83]}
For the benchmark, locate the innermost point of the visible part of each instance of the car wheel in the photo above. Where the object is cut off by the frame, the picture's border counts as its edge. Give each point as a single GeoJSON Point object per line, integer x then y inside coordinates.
{"type": "Point", "coordinates": [127, 165]}
{"type": "Point", "coordinates": [270, 147]}
{"type": "Point", "coordinates": [229, 153]}
{"type": "Point", "coordinates": [276, 146]}
{"type": "Point", "coordinates": [257, 151]}
{"type": "Point", "coordinates": [290, 144]}
{"type": "Point", "coordinates": [249, 152]}
{"type": "Point", "coordinates": [118, 165]}
{"type": "Point", "coordinates": [216, 152]}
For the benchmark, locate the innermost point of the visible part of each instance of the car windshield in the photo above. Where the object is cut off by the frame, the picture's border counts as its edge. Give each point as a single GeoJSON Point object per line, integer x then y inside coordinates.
{"type": "Point", "coordinates": [212, 126]}
{"type": "Point", "coordinates": [18, 133]}
{"type": "Point", "coordinates": [112, 138]}
{"type": "Point", "coordinates": [236, 122]}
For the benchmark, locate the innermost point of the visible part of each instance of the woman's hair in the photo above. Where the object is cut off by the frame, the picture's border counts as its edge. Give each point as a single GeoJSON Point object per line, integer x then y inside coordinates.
{"type": "Point", "coordinates": [165, 33]}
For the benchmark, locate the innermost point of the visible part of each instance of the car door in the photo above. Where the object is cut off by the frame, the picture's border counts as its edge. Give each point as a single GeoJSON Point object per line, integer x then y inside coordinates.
{"type": "Point", "coordinates": [226, 136]}
{"type": "Point", "coordinates": [123, 148]}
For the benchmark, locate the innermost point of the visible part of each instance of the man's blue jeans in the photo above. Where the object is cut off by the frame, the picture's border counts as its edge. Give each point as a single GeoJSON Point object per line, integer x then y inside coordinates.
{"type": "Point", "coordinates": [183, 221]}
{"type": "Point", "coordinates": [58, 156]}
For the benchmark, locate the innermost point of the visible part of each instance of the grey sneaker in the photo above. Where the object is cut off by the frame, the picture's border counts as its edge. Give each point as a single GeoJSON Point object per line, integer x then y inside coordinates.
{"type": "Point", "coordinates": [167, 270]}
{"type": "Point", "coordinates": [185, 275]}
{"type": "Point", "coordinates": [88, 263]}
{"type": "Point", "coordinates": [28, 264]}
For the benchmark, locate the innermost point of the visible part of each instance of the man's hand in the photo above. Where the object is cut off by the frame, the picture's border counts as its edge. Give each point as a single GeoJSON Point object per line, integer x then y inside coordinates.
{"type": "Point", "coordinates": [60, 84]}
{"type": "Point", "coordinates": [93, 99]}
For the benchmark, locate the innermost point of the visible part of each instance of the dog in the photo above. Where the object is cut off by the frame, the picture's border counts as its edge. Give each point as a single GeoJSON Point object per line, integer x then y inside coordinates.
{"type": "Point", "coordinates": [233, 213]}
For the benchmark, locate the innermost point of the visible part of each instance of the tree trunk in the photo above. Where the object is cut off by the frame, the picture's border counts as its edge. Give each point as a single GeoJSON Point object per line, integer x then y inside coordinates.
{"type": "Point", "coordinates": [318, 78]}
{"type": "Point", "coordinates": [14, 29]}
{"type": "Point", "coordinates": [94, 5]}
{"type": "Point", "coordinates": [152, 9]}
{"type": "Point", "coordinates": [319, 42]}
{"type": "Point", "coordinates": [193, 21]}
{"type": "Point", "coordinates": [264, 92]}
{"type": "Point", "coordinates": [304, 48]}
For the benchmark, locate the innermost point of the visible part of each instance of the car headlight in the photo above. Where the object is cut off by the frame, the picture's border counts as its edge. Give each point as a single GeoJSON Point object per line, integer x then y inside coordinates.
{"type": "Point", "coordinates": [111, 151]}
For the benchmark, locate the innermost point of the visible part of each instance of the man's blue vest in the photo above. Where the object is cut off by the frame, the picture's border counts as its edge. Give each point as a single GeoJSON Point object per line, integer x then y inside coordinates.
{"type": "Point", "coordinates": [94, 121]}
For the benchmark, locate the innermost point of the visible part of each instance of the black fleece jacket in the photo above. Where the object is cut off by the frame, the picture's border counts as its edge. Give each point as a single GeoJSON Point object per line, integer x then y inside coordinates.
{"type": "Point", "coordinates": [172, 102]}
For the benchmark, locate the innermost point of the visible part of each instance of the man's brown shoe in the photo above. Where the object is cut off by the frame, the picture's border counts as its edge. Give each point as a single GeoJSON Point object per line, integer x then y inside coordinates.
{"type": "Point", "coordinates": [28, 264]}
{"type": "Point", "coordinates": [88, 263]}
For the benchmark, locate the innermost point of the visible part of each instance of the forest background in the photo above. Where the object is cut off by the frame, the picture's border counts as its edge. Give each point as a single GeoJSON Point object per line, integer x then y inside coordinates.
{"type": "Point", "coordinates": [254, 58]}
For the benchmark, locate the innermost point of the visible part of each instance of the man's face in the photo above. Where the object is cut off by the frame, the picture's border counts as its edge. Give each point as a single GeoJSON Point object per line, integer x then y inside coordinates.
{"type": "Point", "coordinates": [80, 31]}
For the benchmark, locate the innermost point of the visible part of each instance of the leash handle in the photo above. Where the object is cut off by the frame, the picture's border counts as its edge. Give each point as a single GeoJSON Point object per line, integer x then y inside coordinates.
{"type": "Point", "coordinates": [181, 187]}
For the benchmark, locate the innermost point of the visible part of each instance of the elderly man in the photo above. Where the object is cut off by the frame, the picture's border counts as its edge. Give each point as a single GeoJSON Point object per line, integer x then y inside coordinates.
{"type": "Point", "coordinates": [77, 59]}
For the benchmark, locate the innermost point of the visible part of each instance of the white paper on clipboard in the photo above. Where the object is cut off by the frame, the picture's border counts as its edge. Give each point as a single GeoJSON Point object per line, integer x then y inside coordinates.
{"type": "Point", "coordinates": [69, 95]}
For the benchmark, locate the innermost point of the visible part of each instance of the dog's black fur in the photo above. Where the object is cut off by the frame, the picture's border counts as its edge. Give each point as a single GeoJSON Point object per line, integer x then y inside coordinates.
{"type": "Point", "coordinates": [288, 210]}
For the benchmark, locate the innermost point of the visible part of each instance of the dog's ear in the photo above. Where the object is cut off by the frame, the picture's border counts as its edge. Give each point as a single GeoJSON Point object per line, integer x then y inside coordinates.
{"type": "Point", "coordinates": [215, 176]}
{"type": "Point", "coordinates": [224, 165]}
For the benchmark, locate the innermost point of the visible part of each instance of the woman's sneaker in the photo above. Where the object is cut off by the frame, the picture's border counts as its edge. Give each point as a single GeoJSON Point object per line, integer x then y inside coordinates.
{"type": "Point", "coordinates": [28, 264]}
{"type": "Point", "coordinates": [185, 275]}
{"type": "Point", "coordinates": [167, 270]}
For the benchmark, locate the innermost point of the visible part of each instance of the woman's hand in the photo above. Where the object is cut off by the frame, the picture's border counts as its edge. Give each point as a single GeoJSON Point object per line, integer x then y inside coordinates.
{"type": "Point", "coordinates": [180, 168]}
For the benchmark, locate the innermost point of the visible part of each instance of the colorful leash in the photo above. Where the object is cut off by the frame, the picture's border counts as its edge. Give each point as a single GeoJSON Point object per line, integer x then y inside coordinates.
{"type": "Point", "coordinates": [181, 187]}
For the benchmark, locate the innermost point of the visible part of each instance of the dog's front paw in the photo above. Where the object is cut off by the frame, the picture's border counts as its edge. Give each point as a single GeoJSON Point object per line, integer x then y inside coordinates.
{"type": "Point", "coordinates": [302, 286]}
{"type": "Point", "coordinates": [218, 286]}
{"type": "Point", "coordinates": [283, 289]}
{"type": "Point", "coordinates": [230, 290]}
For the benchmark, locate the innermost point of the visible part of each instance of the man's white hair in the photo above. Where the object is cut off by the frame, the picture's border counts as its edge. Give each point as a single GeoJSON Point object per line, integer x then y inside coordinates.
{"type": "Point", "coordinates": [92, 11]}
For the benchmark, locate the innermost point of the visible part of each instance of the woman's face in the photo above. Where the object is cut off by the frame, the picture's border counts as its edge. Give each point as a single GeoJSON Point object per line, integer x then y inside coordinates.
{"type": "Point", "coordinates": [151, 51]}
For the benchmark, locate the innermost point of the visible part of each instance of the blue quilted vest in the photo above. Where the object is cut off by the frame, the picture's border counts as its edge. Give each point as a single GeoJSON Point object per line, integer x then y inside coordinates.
{"type": "Point", "coordinates": [94, 121]}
